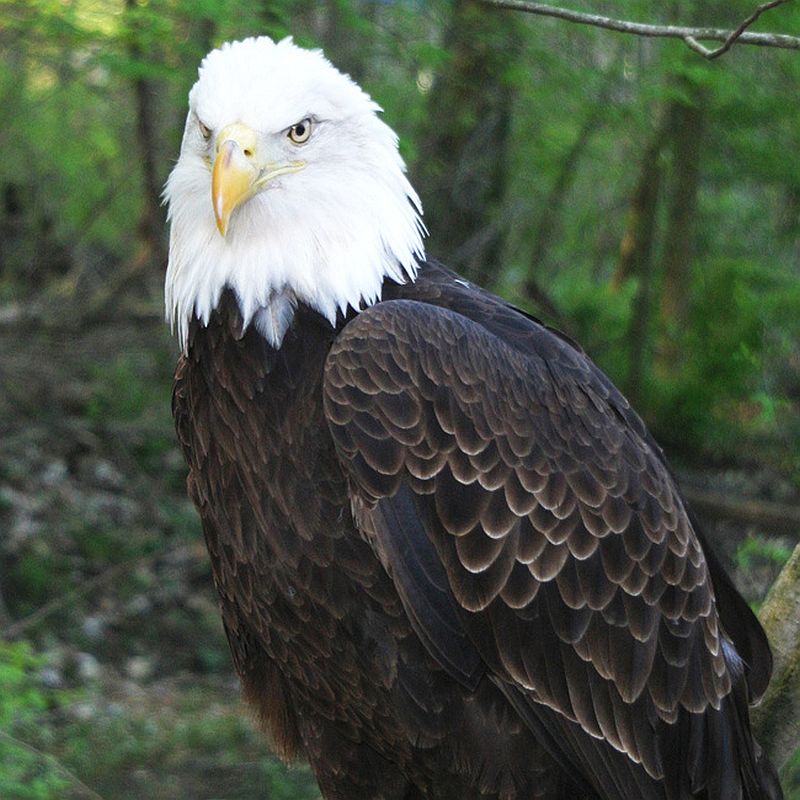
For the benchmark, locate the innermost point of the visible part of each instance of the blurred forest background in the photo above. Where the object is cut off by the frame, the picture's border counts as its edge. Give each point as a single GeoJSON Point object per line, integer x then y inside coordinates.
{"type": "Point", "coordinates": [641, 198]}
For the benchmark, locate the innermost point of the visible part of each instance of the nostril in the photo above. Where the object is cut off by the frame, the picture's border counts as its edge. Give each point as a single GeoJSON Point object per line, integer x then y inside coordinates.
{"type": "Point", "coordinates": [248, 152]}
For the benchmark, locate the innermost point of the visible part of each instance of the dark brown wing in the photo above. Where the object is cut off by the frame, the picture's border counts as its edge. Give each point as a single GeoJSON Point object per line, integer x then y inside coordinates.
{"type": "Point", "coordinates": [436, 285]}
{"type": "Point", "coordinates": [554, 538]}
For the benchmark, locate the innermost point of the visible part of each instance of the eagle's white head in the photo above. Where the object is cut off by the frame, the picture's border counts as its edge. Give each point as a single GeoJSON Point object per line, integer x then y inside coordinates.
{"type": "Point", "coordinates": [289, 188]}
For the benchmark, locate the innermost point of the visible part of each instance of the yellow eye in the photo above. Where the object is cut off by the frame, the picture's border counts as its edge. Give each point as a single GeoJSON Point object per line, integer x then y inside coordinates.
{"type": "Point", "coordinates": [300, 131]}
{"type": "Point", "coordinates": [205, 131]}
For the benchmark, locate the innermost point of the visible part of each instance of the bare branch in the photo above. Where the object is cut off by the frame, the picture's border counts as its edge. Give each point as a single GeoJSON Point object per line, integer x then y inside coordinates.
{"type": "Point", "coordinates": [774, 517]}
{"type": "Point", "coordinates": [16, 629]}
{"type": "Point", "coordinates": [690, 36]}
{"type": "Point", "coordinates": [78, 784]}
{"type": "Point", "coordinates": [735, 36]}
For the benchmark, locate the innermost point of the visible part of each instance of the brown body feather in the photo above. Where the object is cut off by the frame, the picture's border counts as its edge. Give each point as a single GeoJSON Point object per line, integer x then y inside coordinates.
{"type": "Point", "coordinates": [452, 563]}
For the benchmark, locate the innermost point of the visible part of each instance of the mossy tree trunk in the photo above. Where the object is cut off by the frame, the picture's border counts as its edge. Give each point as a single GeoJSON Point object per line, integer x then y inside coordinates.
{"type": "Point", "coordinates": [776, 721]}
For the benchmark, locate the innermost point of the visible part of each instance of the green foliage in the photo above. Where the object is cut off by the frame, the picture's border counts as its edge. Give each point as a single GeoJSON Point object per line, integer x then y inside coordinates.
{"type": "Point", "coordinates": [25, 772]}
{"type": "Point", "coordinates": [34, 576]}
{"type": "Point", "coordinates": [718, 384]}
{"type": "Point", "coordinates": [721, 382]}
{"type": "Point", "coordinates": [791, 777]}
{"type": "Point", "coordinates": [729, 378]}
{"type": "Point", "coordinates": [601, 315]}
{"type": "Point", "coordinates": [130, 393]}
{"type": "Point", "coordinates": [120, 391]}
{"type": "Point", "coordinates": [753, 549]}
{"type": "Point", "coordinates": [119, 751]}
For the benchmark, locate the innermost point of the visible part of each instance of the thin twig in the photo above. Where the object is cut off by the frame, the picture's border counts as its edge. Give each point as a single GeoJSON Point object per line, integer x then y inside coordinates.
{"type": "Point", "coordinates": [690, 36]}
{"type": "Point", "coordinates": [73, 778]}
{"type": "Point", "coordinates": [13, 630]}
{"type": "Point", "coordinates": [735, 36]}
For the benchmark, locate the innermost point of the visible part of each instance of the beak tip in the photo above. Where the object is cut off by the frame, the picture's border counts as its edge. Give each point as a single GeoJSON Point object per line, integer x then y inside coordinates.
{"type": "Point", "coordinates": [220, 217]}
{"type": "Point", "coordinates": [222, 224]}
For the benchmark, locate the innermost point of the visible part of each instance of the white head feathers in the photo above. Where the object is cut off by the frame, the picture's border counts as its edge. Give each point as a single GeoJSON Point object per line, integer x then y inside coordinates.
{"type": "Point", "coordinates": [326, 233]}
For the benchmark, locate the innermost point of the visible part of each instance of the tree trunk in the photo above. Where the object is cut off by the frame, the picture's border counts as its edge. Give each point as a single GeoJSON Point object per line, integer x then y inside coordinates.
{"type": "Point", "coordinates": [462, 176]}
{"type": "Point", "coordinates": [636, 256]}
{"type": "Point", "coordinates": [151, 222]}
{"type": "Point", "coordinates": [552, 206]}
{"type": "Point", "coordinates": [776, 721]}
{"type": "Point", "coordinates": [686, 125]}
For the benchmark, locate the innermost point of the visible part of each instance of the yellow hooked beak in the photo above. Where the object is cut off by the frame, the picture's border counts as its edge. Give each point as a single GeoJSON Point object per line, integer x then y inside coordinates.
{"type": "Point", "coordinates": [235, 173]}
{"type": "Point", "coordinates": [239, 173]}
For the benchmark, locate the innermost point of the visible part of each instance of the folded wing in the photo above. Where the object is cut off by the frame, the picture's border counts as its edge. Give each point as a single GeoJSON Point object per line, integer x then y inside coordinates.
{"type": "Point", "coordinates": [536, 535]}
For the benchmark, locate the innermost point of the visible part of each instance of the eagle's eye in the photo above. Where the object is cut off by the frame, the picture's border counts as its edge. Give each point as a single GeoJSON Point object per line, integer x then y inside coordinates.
{"type": "Point", "coordinates": [205, 131]}
{"type": "Point", "coordinates": [300, 131]}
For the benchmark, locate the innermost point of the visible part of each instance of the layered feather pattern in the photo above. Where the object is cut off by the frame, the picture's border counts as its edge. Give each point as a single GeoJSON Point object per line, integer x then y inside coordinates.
{"type": "Point", "coordinates": [567, 547]}
{"type": "Point", "coordinates": [452, 563]}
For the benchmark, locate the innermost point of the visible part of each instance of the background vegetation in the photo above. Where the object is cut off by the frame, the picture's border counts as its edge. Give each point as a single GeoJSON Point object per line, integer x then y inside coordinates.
{"type": "Point", "coordinates": [640, 198]}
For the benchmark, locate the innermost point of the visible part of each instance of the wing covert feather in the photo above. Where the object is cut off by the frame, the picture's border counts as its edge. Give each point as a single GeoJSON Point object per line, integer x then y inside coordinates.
{"type": "Point", "coordinates": [566, 547]}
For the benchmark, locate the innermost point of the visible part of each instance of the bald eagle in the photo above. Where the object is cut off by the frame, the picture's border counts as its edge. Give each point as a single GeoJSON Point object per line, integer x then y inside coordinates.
{"type": "Point", "coordinates": [451, 560]}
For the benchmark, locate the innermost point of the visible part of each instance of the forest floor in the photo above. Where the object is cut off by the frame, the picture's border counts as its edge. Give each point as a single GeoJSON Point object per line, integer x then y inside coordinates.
{"type": "Point", "coordinates": [103, 571]}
